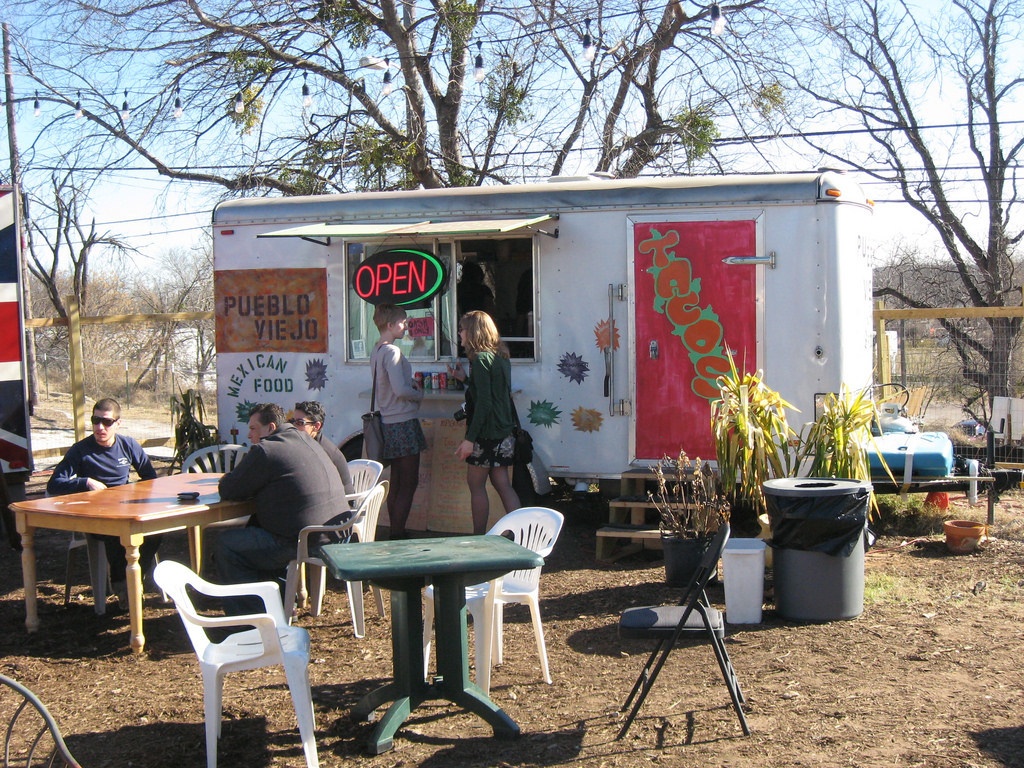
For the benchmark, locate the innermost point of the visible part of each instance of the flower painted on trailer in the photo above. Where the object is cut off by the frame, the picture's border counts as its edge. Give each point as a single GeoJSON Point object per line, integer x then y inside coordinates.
{"type": "Point", "coordinates": [587, 419]}
{"type": "Point", "coordinates": [607, 335]}
{"type": "Point", "coordinates": [543, 413]}
{"type": "Point", "coordinates": [573, 367]}
{"type": "Point", "coordinates": [316, 374]}
{"type": "Point", "coordinates": [243, 410]}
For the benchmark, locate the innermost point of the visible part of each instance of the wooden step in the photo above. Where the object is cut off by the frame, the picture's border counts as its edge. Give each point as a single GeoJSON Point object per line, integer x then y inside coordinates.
{"type": "Point", "coordinates": [607, 549]}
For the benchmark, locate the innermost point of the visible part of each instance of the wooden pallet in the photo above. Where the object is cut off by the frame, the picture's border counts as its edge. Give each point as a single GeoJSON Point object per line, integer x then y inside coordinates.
{"type": "Point", "coordinates": [632, 519]}
{"type": "Point", "coordinates": [610, 538]}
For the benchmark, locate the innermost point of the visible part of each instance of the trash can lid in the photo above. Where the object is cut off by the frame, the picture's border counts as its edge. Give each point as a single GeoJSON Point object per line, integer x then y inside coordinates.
{"type": "Point", "coordinates": [744, 546]}
{"type": "Point", "coordinates": [814, 486]}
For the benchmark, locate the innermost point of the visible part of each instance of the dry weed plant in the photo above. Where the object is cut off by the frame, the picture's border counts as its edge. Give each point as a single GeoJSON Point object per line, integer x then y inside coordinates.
{"type": "Point", "coordinates": [688, 497]}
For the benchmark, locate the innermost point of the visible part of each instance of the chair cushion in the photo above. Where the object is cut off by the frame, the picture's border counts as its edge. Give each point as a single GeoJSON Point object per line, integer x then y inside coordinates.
{"type": "Point", "coordinates": [657, 621]}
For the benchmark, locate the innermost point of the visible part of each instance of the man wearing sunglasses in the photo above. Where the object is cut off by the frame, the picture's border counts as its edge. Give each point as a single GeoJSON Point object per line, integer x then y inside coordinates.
{"type": "Point", "coordinates": [104, 460]}
{"type": "Point", "coordinates": [309, 416]}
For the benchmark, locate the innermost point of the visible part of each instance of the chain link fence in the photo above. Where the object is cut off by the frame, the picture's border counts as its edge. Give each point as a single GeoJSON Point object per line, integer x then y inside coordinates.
{"type": "Point", "coordinates": [125, 363]}
{"type": "Point", "coordinates": [141, 369]}
{"type": "Point", "coordinates": [951, 381]}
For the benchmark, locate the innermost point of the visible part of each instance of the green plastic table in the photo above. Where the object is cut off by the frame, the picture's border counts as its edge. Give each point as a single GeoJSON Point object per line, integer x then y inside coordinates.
{"type": "Point", "coordinates": [405, 567]}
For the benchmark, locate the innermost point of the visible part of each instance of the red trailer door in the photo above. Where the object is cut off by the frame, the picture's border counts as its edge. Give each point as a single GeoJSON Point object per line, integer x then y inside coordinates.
{"type": "Point", "coordinates": [692, 309]}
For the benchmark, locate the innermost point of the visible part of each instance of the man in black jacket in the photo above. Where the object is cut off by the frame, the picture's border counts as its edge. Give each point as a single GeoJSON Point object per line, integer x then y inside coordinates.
{"type": "Point", "coordinates": [309, 416]}
{"type": "Point", "coordinates": [293, 484]}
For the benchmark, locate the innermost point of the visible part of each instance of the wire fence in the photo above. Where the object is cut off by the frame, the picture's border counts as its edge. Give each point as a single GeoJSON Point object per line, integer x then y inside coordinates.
{"type": "Point", "coordinates": [953, 364]}
{"type": "Point", "coordinates": [916, 355]}
{"type": "Point", "coordinates": [125, 363]}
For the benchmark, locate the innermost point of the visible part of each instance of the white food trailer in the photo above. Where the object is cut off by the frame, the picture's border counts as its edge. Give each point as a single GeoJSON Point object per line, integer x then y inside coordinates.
{"type": "Point", "coordinates": [619, 300]}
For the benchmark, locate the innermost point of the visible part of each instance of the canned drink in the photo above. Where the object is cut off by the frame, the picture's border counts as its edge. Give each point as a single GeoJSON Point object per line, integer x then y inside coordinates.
{"type": "Point", "coordinates": [436, 377]}
{"type": "Point", "coordinates": [428, 381]}
{"type": "Point", "coordinates": [418, 378]}
{"type": "Point", "coordinates": [442, 380]}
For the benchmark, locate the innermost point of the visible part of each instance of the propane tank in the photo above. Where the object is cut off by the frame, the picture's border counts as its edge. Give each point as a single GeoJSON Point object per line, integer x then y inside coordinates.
{"type": "Point", "coordinates": [893, 418]}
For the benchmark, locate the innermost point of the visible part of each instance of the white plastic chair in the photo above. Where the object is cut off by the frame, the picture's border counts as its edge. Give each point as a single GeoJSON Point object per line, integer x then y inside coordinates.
{"type": "Point", "coordinates": [99, 580]}
{"type": "Point", "coordinates": [99, 574]}
{"type": "Point", "coordinates": [367, 513]}
{"type": "Point", "coordinates": [270, 642]}
{"type": "Point", "coordinates": [215, 458]}
{"type": "Point", "coordinates": [537, 529]}
{"type": "Point", "coordinates": [365, 474]}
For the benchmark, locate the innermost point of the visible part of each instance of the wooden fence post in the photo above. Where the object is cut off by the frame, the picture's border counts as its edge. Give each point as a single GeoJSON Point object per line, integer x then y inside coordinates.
{"type": "Point", "coordinates": [884, 372]}
{"type": "Point", "coordinates": [76, 360]}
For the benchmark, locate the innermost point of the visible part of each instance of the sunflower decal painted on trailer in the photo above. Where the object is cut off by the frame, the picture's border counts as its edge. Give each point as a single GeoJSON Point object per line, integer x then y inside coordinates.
{"type": "Point", "coordinates": [244, 409]}
{"type": "Point", "coordinates": [606, 335]}
{"type": "Point", "coordinates": [587, 419]}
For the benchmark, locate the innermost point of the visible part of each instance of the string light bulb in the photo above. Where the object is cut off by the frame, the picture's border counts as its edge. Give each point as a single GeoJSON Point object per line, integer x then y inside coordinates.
{"type": "Point", "coordinates": [239, 104]}
{"type": "Point", "coordinates": [126, 113]}
{"type": "Point", "coordinates": [307, 99]}
{"type": "Point", "coordinates": [589, 47]}
{"type": "Point", "coordinates": [717, 20]}
{"type": "Point", "coordinates": [79, 113]}
{"type": "Point", "coordinates": [179, 110]}
{"type": "Point", "coordinates": [36, 106]}
{"type": "Point", "coordinates": [386, 90]}
{"type": "Point", "coordinates": [478, 69]}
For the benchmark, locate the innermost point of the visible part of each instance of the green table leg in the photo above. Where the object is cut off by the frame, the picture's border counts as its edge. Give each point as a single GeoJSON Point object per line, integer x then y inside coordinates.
{"type": "Point", "coordinates": [408, 689]}
{"type": "Point", "coordinates": [451, 637]}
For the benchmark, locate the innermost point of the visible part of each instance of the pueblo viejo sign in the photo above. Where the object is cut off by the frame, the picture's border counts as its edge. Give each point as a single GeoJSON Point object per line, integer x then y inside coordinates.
{"type": "Point", "coordinates": [271, 310]}
{"type": "Point", "coordinates": [407, 277]}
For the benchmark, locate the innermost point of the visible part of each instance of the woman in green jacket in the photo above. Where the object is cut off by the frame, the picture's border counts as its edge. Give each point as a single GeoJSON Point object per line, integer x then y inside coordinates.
{"type": "Point", "coordinates": [489, 446]}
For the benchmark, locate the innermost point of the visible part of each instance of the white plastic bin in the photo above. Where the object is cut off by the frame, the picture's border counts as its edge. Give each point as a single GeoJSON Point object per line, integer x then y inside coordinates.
{"type": "Point", "coordinates": [743, 569]}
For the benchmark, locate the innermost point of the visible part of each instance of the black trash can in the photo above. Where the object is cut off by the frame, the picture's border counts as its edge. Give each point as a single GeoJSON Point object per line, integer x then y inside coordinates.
{"type": "Point", "coordinates": [819, 527]}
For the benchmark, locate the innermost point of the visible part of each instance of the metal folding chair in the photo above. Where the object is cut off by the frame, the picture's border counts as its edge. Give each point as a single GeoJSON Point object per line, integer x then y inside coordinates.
{"type": "Point", "coordinates": [31, 735]}
{"type": "Point", "coordinates": [692, 619]}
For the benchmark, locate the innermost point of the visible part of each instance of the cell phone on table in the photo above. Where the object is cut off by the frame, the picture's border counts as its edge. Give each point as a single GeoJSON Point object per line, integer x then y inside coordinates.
{"type": "Point", "coordinates": [186, 496]}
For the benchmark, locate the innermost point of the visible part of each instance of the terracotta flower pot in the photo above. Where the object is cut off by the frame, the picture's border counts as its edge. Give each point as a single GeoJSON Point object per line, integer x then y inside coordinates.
{"type": "Point", "coordinates": [963, 536]}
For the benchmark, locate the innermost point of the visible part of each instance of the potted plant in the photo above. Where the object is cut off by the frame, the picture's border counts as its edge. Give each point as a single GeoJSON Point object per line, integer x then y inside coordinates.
{"type": "Point", "coordinates": [752, 444]}
{"type": "Point", "coordinates": [836, 443]}
{"type": "Point", "coordinates": [691, 507]}
{"type": "Point", "coordinates": [188, 414]}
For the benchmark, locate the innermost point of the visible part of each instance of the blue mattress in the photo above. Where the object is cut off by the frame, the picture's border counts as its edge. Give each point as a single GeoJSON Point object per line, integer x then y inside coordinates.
{"type": "Point", "coordinates": [912, 455]}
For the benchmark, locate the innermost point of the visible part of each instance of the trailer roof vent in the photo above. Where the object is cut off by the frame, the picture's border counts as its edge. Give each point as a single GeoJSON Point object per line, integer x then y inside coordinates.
{"type": "Point", "coordinates": [595, 176]}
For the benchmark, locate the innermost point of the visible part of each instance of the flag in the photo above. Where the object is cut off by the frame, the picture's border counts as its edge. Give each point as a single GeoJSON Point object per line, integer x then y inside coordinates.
{"type": "Point", "coordinates": [15, 454]}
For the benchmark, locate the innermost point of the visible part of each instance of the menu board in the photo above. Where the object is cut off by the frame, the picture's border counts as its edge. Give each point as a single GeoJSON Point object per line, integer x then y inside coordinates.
{"type": "Point", "coordinates": [271, 310]}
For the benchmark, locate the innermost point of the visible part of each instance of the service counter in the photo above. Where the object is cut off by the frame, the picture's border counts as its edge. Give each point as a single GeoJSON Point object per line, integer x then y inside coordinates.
{"type": "Point", "coordinates": [442, 501]}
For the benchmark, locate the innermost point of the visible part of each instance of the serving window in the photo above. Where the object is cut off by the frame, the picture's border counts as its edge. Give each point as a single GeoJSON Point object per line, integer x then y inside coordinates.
{"type": "Point", "coordinates": [495, 275]}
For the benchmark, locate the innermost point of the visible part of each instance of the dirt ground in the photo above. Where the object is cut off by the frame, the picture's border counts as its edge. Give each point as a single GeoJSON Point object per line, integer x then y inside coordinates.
{"type": "Point", "coordinates": [929, 675]}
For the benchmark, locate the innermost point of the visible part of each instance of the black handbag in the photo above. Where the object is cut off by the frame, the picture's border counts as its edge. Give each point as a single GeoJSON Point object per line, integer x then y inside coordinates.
{"type": "Point", "coordinates": [373, 427]}
{"type": "Point", "coordinates": [523, 453]}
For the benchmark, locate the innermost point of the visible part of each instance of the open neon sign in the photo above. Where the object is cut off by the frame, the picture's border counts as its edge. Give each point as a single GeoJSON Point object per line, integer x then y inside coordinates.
{"type": "Point", "coordinates": [403, 276]}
